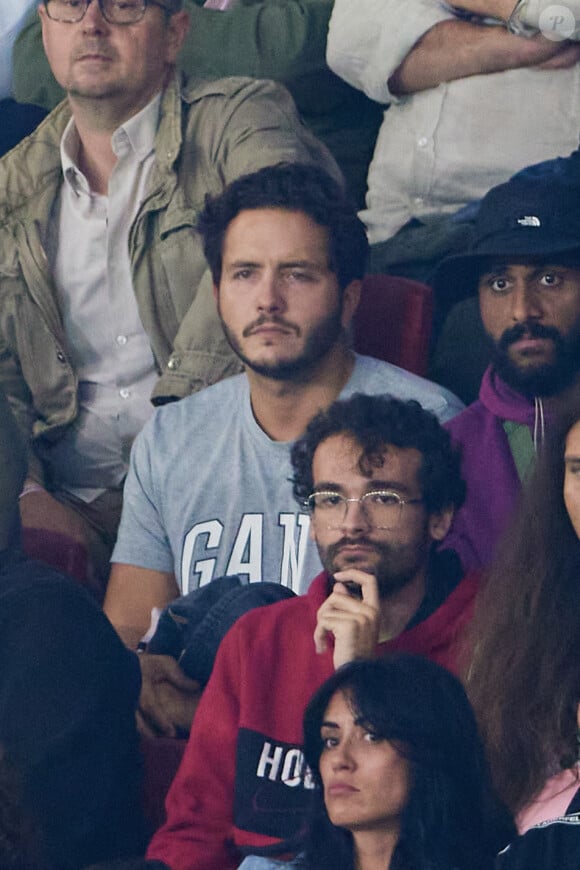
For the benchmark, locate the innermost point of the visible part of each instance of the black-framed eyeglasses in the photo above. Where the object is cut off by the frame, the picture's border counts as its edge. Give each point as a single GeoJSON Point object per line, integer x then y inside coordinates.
{"type": "Point", "coordinates": [113, 11]}
{"type": "Point", "coordinates": [382, 508]}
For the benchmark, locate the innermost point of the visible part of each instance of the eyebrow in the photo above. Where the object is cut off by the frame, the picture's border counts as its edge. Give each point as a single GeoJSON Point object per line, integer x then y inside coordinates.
{"type": "Point", "coordinates": [286, 264]}
{"type": "Point", "coordinates": [374, 485]}
{"type": "Point", "coordinates": [238, 264]}
{"type": "Point", "coordinates": [504, 266]}
{"type": "Point", "coordinates": [547, 267]}
{"type": "Point", "coordinates": [360, 722]}
{"type": "Point", "coordinates": [491, 268]}
{"type": "Point", "coordinates": [303, 264]}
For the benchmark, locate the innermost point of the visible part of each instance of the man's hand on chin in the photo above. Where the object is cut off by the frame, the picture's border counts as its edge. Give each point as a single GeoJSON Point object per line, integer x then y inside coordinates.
{"type": "Point", "coordinates": [168, 699]}
{"type": "Point", "coordinates": [353, 621]}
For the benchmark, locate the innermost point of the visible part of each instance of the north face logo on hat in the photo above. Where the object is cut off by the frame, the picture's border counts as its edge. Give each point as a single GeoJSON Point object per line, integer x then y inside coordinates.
{"type": "Point", "coordinates": [529, 220]}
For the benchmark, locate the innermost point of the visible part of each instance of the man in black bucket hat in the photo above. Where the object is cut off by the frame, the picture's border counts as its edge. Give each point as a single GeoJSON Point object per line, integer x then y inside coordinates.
{"type": "Point", "coordinates": [524, 262]}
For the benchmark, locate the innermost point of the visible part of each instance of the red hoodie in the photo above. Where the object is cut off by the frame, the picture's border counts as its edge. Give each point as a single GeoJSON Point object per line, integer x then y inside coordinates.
{"type": "Point", "coordinates": [243, 784]}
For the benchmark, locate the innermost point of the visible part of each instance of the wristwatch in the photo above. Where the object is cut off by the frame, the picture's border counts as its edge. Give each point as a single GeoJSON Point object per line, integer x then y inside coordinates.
{"type": "Point", "coordinates": [556, 19]}
{"type": "Point", "coordinates": [518, 23]}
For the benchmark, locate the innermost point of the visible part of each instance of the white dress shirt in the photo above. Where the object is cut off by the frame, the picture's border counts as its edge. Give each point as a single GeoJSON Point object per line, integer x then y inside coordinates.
{"type": "Point", "coordinates": [441, 148]}
{"type": "Point", "coordinates": [89, 252]}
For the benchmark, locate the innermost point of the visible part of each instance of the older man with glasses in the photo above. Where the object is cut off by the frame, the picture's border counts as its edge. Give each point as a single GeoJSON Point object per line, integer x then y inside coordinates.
{"type": "Point", "coordinates": [106, 297]}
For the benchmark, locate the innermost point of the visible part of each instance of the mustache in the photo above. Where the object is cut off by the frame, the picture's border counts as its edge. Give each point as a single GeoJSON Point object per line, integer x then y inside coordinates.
{"type": "Point", "coordinates": [528, 329]}
{"type": "Point", "coordinates": [272, 319]}
{"type": "Point", "coordinates": [93, 46]}
{"type": "Point", "coordinates": [333, 549]}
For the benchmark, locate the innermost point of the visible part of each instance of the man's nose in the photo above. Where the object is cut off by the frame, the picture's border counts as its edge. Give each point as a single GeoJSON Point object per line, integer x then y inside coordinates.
{"type": "Point", "coordinates": [355, 518]}
{"type": "Point", "coordinates": [269, 297]}
{"type": "Point", "coordinates": [526, 303]}
{"type": "Point", "coordinates": [94, 18]}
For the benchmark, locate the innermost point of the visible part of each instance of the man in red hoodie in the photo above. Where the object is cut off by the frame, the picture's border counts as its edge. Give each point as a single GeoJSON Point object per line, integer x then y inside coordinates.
{"type": "Point", "coordinates": [382, 482]}
{"type": "Point", "coordinates": [525, 264]}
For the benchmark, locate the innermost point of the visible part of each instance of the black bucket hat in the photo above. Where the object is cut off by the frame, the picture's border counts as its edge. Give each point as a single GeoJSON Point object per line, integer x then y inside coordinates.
{"type": "Point", "coordinates": [525, 218]}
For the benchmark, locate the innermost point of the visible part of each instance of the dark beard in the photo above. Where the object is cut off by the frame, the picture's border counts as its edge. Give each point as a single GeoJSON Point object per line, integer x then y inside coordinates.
{"type": "Point", "coordinates": [392, 572]}
{"type": "Point", "coordinates": [543, 380]}
{"type": "Point", "coordinates": [322, 338]}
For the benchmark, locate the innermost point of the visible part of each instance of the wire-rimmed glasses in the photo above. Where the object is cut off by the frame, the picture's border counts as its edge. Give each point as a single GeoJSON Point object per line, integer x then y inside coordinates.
{"type": "Point", "coordinates": [382, 508]}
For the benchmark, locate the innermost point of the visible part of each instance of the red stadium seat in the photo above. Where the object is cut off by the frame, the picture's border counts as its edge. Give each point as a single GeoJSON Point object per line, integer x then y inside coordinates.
{"type": "Point", "coordinates": [161, 758]}
{"type": "Point", "coordinates": [393, 321]}
{"type": "Point", "coordinates": [60, 552]}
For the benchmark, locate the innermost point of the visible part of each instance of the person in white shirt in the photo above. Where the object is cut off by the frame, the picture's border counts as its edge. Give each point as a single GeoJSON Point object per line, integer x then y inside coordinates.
{"type": "Point", "coordinates": [464, 97]}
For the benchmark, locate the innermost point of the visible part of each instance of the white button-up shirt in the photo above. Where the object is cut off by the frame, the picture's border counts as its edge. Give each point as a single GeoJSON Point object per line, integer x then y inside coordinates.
{"type": "Point", "coordinates": [88, 248]}
{"type": "Point", "coordinates": [441, 148]}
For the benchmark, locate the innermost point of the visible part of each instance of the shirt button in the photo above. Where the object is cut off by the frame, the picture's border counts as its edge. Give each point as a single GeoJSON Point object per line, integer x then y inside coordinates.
{"type": "Point", "coordinates": [121, 339]}
{"type": "Point", "coordinates": [422, 142]}
{"type": "Point", "coordinates": [173, 363]}
{"type": "Point", "coordinates": [60, 356]}
{"type": "Point", "coordinates": [418, 200]}
{"type": "Point", "coordinates": [124, 393]}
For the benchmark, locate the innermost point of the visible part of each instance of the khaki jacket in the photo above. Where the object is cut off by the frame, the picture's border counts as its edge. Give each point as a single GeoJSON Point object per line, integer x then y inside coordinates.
{"type": "Point", "coordinates": [210, 133]}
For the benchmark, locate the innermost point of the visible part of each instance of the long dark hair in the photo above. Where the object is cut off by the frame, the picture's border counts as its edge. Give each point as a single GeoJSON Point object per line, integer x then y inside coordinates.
{"type": "Point", "coordinates": [452, 818]}
{"type": "Point", "coordinates": [524, 680]}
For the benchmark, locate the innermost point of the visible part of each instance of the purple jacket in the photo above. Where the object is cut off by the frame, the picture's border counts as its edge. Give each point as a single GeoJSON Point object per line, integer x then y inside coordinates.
{"type": "Point", "coordinates": [489, 470]}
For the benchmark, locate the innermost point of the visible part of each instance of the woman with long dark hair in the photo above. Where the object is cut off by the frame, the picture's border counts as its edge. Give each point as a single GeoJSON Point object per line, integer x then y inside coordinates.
{"type": "Point", "coordinates": [403, 781]}
{"type": "Point", "coordinates": [524, 679]}
{"type": "Point", "coordinates": [399, 773]}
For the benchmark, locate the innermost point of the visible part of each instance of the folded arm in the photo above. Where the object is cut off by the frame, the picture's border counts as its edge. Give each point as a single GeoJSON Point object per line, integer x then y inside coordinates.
{"type": "Point", "coordinates": [458, 49]}
{"type": "Point", "coordinates": [494, 8]}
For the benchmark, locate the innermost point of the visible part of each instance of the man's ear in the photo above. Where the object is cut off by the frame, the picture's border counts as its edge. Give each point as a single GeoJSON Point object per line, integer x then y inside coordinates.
{"type": "Point", "coordinates": [177, 28]}
{"type": "Point", "coordinates": [440, 523]}
{"type": "Point", "coordinates": [350, 300]}
{"type": "Point", "coordinates": [43, 16]}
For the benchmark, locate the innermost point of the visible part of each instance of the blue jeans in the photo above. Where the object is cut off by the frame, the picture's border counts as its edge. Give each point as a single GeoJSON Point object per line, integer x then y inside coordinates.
{"type": "Point", "coordinates": [254, 862]}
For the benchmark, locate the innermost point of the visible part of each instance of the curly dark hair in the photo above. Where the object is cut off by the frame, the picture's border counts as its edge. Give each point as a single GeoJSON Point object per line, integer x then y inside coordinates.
{"type": "Point", "coordinates": [376, 421]}
{"type": "Point", "coordinates": [294, 187]}
{"type": "Point", "coordinates": [452, 818]}
{"type": "Point", "coordinates": [524, 679]}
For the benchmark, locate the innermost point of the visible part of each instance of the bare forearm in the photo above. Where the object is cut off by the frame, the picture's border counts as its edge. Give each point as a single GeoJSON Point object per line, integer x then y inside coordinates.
{"type": "Point", "coordinates": [131, 594]}
{"type": "Point", "coordinates": [457, 49]}
{"type": "Point", "coordinates": [494, 8]}
{"type": "Point", "coordinates": [130, 635]}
